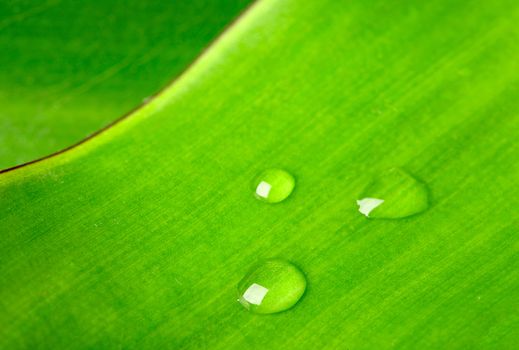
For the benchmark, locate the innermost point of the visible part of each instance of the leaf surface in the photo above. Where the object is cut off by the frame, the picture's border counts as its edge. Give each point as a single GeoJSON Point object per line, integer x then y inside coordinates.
{"type": "Point", "coordinates": [139, 237]}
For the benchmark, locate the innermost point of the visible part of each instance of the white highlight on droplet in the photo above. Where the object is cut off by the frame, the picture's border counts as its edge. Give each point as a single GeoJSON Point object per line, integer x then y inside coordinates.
{"type": "Point", "coordinates": [366, 205]}
{"type": "Point", "coordinates": [255, 294]}
{"type": "Point", "coordinates": [263, 189]}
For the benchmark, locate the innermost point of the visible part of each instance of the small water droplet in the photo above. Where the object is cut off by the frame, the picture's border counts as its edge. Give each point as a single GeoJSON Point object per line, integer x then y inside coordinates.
{"type": "Point", "coordinates": [393, 194]}
{"type": "Point", "coordinates": [273, 185]}
{"type": "Point", "coordinates": [273, 286]}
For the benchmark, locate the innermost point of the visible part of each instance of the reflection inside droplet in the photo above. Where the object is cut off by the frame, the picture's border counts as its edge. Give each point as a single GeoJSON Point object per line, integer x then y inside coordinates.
{"type": "Point", "coordinates": [263, 189]}
{"type": "Point", "coordinates": [253, 295]}
{"type": "Point", "coordinates": [366, 205]}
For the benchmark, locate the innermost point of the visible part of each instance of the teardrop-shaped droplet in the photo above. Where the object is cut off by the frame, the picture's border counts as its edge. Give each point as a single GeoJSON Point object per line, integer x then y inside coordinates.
{"type": "Point", "coordinates": [393, 194]}
{"type": "Point", "coordinates": [272, 286]}
{"type": "Point", "coordinates": [273, 185]}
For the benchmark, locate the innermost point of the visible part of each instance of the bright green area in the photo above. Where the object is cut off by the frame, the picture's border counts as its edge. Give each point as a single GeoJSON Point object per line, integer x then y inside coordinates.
{"type": "Point", "coordinates": [272, 286]}
{"type": "Point", "coordinates": [69, 68]}
{"type": "Point", "coordinates": [139, 237]}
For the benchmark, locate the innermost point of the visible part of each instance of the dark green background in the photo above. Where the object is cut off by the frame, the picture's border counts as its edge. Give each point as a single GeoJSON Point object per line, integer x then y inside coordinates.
{"type": "Point", "coordinates": [68, 68]}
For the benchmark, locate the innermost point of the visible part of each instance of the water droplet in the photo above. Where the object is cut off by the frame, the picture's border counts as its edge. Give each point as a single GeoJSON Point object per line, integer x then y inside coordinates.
{"type": "Point", "coordinates": [273, 286]}
{"type": "Point", "coordinates": [393, 194]}
{"type": "Point", "coordinates": [273, 185]}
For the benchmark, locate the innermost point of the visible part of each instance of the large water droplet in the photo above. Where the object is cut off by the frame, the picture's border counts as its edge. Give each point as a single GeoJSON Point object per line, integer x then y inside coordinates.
{"type": "Point", "coordinates": [393, 194]}
{"type": "Point", "coordinates": [273, 185]}
{"type": "Point", "coordinates": [273, 286]}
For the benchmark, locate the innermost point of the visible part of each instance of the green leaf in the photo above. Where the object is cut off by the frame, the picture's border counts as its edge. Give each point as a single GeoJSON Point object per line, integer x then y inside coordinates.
{"type": "Point", "coordinates": [139, 237]}
{"type": "Point", "coordinates": [69, 68]}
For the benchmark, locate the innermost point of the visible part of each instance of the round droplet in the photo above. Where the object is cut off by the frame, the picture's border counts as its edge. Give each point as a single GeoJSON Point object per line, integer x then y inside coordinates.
{"type": "Point", "coordinates": [272, 286]}
{"type": "Point", "coordinates": [273, 185]}
{"type": "Point", "coordinates": [393, 194]}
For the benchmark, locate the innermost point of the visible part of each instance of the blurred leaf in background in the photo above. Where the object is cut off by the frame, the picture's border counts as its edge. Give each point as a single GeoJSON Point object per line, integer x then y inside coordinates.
{"type": "Point", "coordinates": [68, 68]}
